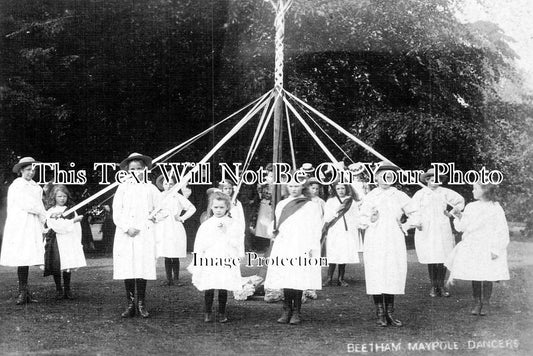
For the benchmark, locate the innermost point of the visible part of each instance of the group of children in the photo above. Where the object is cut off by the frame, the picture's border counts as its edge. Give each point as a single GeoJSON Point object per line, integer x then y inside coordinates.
{"type": "Point", "coordinates": [150, 225]}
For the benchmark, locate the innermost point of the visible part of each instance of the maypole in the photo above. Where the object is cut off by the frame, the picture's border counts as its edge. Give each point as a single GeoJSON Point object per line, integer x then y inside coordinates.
{"type": "Point", "coordinates": [281, 7]}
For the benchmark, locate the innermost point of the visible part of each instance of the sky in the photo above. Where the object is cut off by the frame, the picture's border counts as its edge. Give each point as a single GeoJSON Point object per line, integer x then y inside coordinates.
{"type": "Point", "coordinates": [515, 18]}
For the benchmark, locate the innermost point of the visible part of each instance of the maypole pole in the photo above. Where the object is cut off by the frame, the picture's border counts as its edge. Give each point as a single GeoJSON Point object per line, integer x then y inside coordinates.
{"type": "Point", "coordinates": [281, 7]}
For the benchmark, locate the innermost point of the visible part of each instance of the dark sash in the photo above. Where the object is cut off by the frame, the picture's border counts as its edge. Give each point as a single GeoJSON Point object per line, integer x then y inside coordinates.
{"type": "Point", "coordinates": [289, 209]}
{"type": "Point", "coordinates": [52, 261]}
{"type": "Point", "coordinates": [343, 209]}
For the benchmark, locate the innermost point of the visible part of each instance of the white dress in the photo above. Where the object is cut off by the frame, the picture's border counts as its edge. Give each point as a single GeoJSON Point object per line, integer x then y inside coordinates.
{"type": "Point", "coordinates": [342, 243]}
{"type": "Point", "coordinates": [217, 240]}
{"type": "Point", "coordinates": [384, 247]}
{"type": "Point", "coordinates": [170, 235]}
{"type": "Point", "coordinates": [68, 235]}
{"type": "Point", "coordinates": [134, 257]}
{"type": "Point", "coordinates": [22, 243]}
{"type": "Point", "coordinates": [237, 214]}
{"type": "Point", "coordinates": [299, 235]}
{"type": "Point", "coordinates": [485, 231]}
{"type": "Point", "coordinates": [435, 241]}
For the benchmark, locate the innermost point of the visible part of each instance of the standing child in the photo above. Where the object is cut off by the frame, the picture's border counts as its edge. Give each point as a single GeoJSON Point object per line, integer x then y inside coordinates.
{"type": "Point", "coordinates": [237, 212]}
{"type": "Point", "coordinates": [296, 237]}
{"type": "Point", "coordinates": [481, 256]}
{"type": "Point", "coordinates": [434, 239]}
{"type": "Point", "coordinates": [342, 243]}
{"type": "Point", "coordinates": [22, 243]}
{"type": "Point", "coordinates": [384, 246]}
{"type": "Point", "coordinates": [68, 236]}
{"type": "Point", "coordinates": [215, 263]}
{"type": "Point", "coordinates": [134, 244]}
{"type": "Point", "coordinates": [170, 235]}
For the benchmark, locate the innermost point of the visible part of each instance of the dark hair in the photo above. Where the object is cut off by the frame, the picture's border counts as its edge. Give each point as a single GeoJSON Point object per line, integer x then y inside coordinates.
{"type": "Point", "coordinates": [490, 191]}
{"type": "Point", "coordinates": [349, 190]}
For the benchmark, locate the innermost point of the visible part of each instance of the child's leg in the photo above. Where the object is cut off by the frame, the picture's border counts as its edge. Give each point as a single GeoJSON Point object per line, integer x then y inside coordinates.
{"type": "Point", "coordinates": [441, 277]}
{"type": "Point", "coordinates": [222, 300]}
{"type": "Point", "coordinates": [208, 304]}
{"type": "Point", "coordinates": [342, 270]}
{"type": "Point", "coordinates": [59, 288]}
{"type": "Point", "coordinates": [287, 306]}
{"type": "Point", "coordinates": [24, 295]}
{"type": "Point", "coordinates": [486, 293]}
{"type": "Point", "coordinates": [331, 271]}
{"type": "Point", "coordinates": [141, 297]}
{"type": "Point", "coordinates": [129, 284]}
{"type": "Point", "coordinates": [433, 272]}
{"type": "Point", "coordinates": [176, 268]}
{"type": "Point", "coordinates": [389, 310]}
{"type": "Point", "coordinates": [476, 292]}
{"type": "Point", "coordinates": [295, 318]}
{"type": "Point", "coordinates": [66, 285]}
{"type": "Point", "coordinates": [379, 301]}
{"type": "Point", "coordinates": [168, 270]}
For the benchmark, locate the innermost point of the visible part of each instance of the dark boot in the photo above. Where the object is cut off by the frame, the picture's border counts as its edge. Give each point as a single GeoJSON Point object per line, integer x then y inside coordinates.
{"type": "Point", "coordinates": [66, 286]}
{"type": "Point", "coordinates": [141, 293]}
{"type": "Point", "coordinates": [130, 296]}
{"type": "Point", "coordinates": [296, 315]}
{"type": "Point", "coordinates": [389, 310]}
{"type": "Point", "coordinates": [22, 298]}
{"type": "Point", "coordinates": [486, 293]}
{"type": "Point", "coordinates": [380, 310]}
{"type": "Point", "coordinates": [287, 307]}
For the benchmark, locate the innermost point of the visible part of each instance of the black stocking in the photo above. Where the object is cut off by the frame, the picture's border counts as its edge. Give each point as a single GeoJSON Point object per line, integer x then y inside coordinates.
{"type": "Point", "coordinates": [176, 268]}
{"type": "Point", "coordinates": [66, 280]}
{"type": "Point", "coordinates": [342, 270]}
{"type": "Point", "coordinates": [208, 300]}
{"type": "Point", "coordinates": [141, 288]}
{"type": "Point", "coordinates": [57, 280]}
{"type": "Point", "coordinates": [168, 268]}
{"type": "Point", "coordinates": [23, 272]}
{"type": "Point", "coordinates": [222, 300]}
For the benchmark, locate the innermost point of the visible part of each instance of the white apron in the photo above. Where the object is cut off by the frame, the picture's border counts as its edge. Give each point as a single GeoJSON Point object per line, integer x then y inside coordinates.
{"type": "Point", "coordinates": [485, 231]}
{"type": "Point", "coordinates": [299, 236]}
{"type": "Point", "coordinates": [217, 239]}
{"type": "Point", "coordinates": [134, 257]}
{"type": "Point", "coordinates": [342, 245]}
{"type": "Point", "coordinates": [170, 235]}
{"type": "Point", "coordinates": [68, 235]}
{"type": "Point", "coordinates": [435, 241]}
{"type": "Point", "coordinates": [22, 242]}
{"type": "Point", "coordinates": [384, 246]}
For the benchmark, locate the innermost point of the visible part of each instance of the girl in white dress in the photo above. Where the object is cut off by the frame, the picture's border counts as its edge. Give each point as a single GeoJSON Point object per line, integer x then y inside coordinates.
{"type": "Point", "coordinates": [22, 243]}
{"type": "Point", "coordinates": [170, 235]}
{"type": "Point", "coordinates": [342, 243]}
{"type": "Point", "coordinates": [68, 236]}
{"type": "Point", "coordinates": [237, 212]}
{"type": "Point", "coordinates": [384, 246]}
{"type": "Point", "coordinates": [296, 236]}
{"type": "Point", "coordinates": [434, 240]}
{"type": "Point", "coordinates": [481, 256]}
{"type": "Point", "coordinates": [134, 246]}
{"type": "Point", "coordinates": [215, 263]}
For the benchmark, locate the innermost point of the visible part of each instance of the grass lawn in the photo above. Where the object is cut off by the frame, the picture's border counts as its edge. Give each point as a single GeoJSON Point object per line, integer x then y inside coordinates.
{"type": "Point", "coordinates": [339, 321]}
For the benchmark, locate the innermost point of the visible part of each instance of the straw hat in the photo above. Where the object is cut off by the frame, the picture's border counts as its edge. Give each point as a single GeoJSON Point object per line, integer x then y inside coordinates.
{"type": "Point", "coordinates": [387, 166]}
{"type": "Point", "coordinates": [23, 162]}
{"type": "Point", "coordinates": [136, 156]}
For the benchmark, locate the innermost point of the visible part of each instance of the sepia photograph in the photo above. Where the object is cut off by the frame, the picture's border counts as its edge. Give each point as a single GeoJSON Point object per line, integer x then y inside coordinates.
{"type": "Point", "coordinates": [261, 177]}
